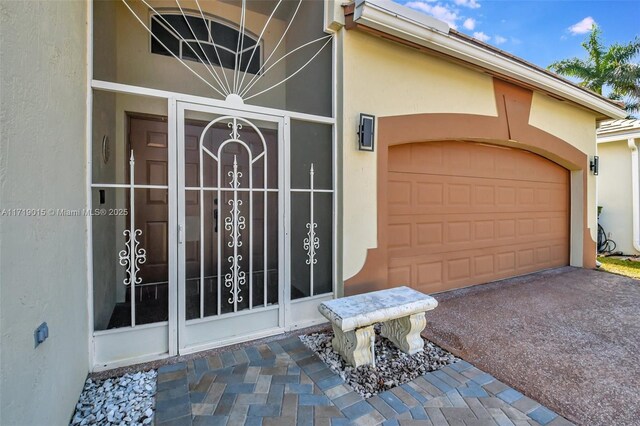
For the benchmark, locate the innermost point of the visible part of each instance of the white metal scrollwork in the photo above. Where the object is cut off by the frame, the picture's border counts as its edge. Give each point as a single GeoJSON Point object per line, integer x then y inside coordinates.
{"type": "Point", "coordinates": [235, 223]}
{"type": "Point", "coordinates": [312, 242]}
{"type": "Point", "coordinates": [237, 89]}
{"type": "Point", "coordinates": [133, 255]}
{"type": "Point", "coordinates": [132, 251]}
{"type": "Point", "coordinates": [235, 133]}
{"type": "Point", "coordinates": [236, 274]}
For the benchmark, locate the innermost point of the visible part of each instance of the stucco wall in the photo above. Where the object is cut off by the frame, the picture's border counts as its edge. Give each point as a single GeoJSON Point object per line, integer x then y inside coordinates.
{"type": "Point", "coordinates": [384, 78]}
{"type": "Point", "coordinates": [42, 259]}
{"type": "Point", "coordinates": [577, 127]}
{"type": "Point", "coordinates": [614, 194]}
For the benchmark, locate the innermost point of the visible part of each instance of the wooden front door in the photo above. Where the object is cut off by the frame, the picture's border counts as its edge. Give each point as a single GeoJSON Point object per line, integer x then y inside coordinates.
{"type": "Point", "coordinates": [148, 141]}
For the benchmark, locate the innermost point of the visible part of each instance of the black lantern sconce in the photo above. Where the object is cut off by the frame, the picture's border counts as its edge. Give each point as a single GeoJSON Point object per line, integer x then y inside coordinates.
{"type": "Point", "coordinates": [594, 165]}
{"type": "Point", "coordinates": [366, 132]}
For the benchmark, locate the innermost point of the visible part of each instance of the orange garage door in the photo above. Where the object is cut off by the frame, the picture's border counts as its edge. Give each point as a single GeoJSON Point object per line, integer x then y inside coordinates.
{"type": "Point", "coordinates": [463, 213]}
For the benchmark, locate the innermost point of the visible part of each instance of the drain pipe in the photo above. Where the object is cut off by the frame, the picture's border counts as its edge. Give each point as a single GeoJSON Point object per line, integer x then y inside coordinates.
{"type": "Point", "coordinates": [635, 197]}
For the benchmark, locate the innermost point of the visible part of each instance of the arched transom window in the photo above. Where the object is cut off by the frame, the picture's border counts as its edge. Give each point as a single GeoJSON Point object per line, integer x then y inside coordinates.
{"type": "Point", "coordinates": [204, 40]}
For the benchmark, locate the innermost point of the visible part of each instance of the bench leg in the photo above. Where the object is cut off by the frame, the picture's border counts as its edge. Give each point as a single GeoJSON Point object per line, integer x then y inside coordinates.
{"type": "Point", "coordinates": [354, 346]}
{"type": "Point", "coordinates": [405, 332]}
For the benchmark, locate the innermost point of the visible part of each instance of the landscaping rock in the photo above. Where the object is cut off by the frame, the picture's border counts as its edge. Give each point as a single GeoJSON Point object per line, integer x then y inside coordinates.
{"type": "Point", "coordinates": [392, 367]}
{"type": "Point", "coordinates": [125, 400]}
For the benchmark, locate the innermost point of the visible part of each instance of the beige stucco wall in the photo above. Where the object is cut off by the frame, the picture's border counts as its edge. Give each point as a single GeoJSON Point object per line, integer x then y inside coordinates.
{"type": "Point", "coordinates": [614, 194]}
{"type": "Point", "coordinates": [576, 126]}
{"type": "Point", "coordinates": [384, 79]}
{"type": "Point", "coordinates": [42, 165]}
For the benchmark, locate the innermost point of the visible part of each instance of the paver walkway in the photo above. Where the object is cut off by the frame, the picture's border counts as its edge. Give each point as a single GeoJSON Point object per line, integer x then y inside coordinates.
{"type": "Point", "coordinates": [284, 383]}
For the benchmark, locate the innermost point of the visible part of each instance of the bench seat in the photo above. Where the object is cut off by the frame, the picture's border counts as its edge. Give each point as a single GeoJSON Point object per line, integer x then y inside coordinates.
{"type": "Point", "coordinates": [400, 310]}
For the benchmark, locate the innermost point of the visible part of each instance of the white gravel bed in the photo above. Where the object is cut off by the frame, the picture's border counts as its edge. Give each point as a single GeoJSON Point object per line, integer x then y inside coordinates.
{"type": "Point", "coordinates": [393, 367]}
{"type": "Point", "coordinates": [125, 400]}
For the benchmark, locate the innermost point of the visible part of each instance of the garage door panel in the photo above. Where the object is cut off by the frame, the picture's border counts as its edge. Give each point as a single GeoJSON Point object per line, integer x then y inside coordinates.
{"type": "Point", "coordinates": [401, 274]}
{"type": "Point", "coordinates": [428, 274]}
{"type": "Point", "coordinates": [452, 158]}
{"type": "Point", "coordinates": [466, 213]}
{"type": "Point", "coordinates": [446, 271]}
{"type": "Point", "coordinates": [400, 235]}
{"type": "Point", "coordinates": [411, 193]}
{"type": "Point", "coordinates": [428, 194]}
{"type": "Point", "coordinates": [428, 234]}
{"type": "Point", "coordinates": [448, 233]}
{"type": "Point", "coordinates": [400, 193]}
{"type": "Point", "coordinates": [478, 247]}
{"type": "Point", "coordinates": [554, 250]}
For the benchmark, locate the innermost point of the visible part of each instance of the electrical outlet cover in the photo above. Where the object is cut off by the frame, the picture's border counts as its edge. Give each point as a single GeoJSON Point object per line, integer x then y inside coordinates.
{"type": "Point", "coordinates": [41, 333]}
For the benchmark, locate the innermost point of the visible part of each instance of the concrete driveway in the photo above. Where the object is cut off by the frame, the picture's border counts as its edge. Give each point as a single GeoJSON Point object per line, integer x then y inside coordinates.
{"type": "Point", "coordinates": [568, 338]}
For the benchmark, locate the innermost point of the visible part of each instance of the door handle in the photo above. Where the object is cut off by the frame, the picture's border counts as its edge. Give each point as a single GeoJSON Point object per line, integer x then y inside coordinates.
{"type": "Point", "coordinates": [215, 216]}
{"type": "Point", "coordinates": [180, 234]}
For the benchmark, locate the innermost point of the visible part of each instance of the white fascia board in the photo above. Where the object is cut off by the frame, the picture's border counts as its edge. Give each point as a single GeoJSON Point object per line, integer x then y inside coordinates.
{"type": "Point", "coordinates": [619, 137]}
{"type": "Point", "coordinates": [405, 23]}
{"type": "Point", "coordinates": [404, 20]}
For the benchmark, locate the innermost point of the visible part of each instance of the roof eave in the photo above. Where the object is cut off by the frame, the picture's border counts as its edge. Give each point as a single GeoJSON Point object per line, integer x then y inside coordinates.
{"type": "Point", "coordinates": [393, 19]}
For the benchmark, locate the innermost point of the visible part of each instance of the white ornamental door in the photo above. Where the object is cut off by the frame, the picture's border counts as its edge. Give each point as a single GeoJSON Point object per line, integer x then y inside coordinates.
{"type": "Point", "coordinates": [230, 246]}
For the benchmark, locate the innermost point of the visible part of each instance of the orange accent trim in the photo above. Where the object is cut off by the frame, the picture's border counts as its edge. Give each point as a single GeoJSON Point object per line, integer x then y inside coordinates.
{"type": "Point", "coordinates": [510, 128]}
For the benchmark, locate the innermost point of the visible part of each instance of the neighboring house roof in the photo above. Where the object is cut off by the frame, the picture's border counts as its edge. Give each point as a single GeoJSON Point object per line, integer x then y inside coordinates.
{"type": "Point", "coordinates": [618, 130]}
{"type": "Point", "coordinates": [407, 26]}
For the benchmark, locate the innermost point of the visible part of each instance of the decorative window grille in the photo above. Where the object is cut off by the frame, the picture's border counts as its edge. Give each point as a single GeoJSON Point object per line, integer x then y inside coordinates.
{"type": "Point", "coordinates": [204, 40]}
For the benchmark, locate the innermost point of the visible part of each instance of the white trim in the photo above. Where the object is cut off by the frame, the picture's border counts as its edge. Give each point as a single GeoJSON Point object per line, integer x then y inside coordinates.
{"type": "Point", "coordinates": [129, 328]}
{"type": "Point", "coordinates": [619, 137]}
{"type": "Point", "coordinates": [181, 203]}
{"type": "Point", "coordinates": [334, 160]}
{"type": "Point", "coordinates": [222, 317]}
{"type": "Point", "coordinates": [88, 181]}
{"type": "Point", "coordinates": [199, 100]}
{"type": "Point", "coordinates": [329, 191]}
{"type": "Point", "coordinates": [222, 189]}
{"type": "Point", "coordinates": [230, 341]}
{"type": "Point", "coordinates": [173, 297]}
{"type": "Point", "coordinates": [284, 236]}
{"type": "Point", "coordinates": [128, 186]}
{"type": "Point", "coordinates": [284, 239]}
{"type": "Point", "coordinates": [406, 17]}
{"type": "Point", "coordinates": [378, 15]}
{"type": "Point", "coordinates": [317, 296]}
{"type": "Point", "coordinates": [635, 197]}
{"type": "Point", "coordinates": [129, 361]}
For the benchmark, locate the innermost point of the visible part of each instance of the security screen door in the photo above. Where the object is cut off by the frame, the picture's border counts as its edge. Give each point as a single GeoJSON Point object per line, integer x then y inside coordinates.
{"type": "Point", "coordinates": [230, 222]}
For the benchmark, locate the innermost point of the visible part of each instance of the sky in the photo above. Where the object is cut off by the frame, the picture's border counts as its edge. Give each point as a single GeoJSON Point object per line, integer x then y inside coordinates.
{"type": "Point", "coordinates": [541, 31]}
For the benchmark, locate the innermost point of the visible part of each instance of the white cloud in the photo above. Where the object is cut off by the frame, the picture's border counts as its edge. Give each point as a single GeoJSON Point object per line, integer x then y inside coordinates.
{"type": "Point", "coordinates": [583, 26]}
{"type": "Point", "coordinates": [469, 24]}
{"type": "Point", "coordinates": [499, 40]}
{"type": "Point", "coordinates": [472, 4]}
{"type": "Point", "coordinates": [438, 11]}
{"type": "Point", "coordinates": [481, 36]}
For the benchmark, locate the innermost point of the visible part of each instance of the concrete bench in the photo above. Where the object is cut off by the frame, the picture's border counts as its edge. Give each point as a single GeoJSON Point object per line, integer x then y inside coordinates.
{"type": "Point", "coordinates": [400, 310]}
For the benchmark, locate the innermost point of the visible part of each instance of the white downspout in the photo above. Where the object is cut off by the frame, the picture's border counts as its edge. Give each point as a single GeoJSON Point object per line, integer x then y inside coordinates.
{"type": "Point", "coordinates": [635, 197]}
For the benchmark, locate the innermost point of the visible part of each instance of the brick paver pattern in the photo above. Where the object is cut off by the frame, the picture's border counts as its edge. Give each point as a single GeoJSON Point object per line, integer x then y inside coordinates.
{"type": "Point", "coordinates": [284, 383]}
